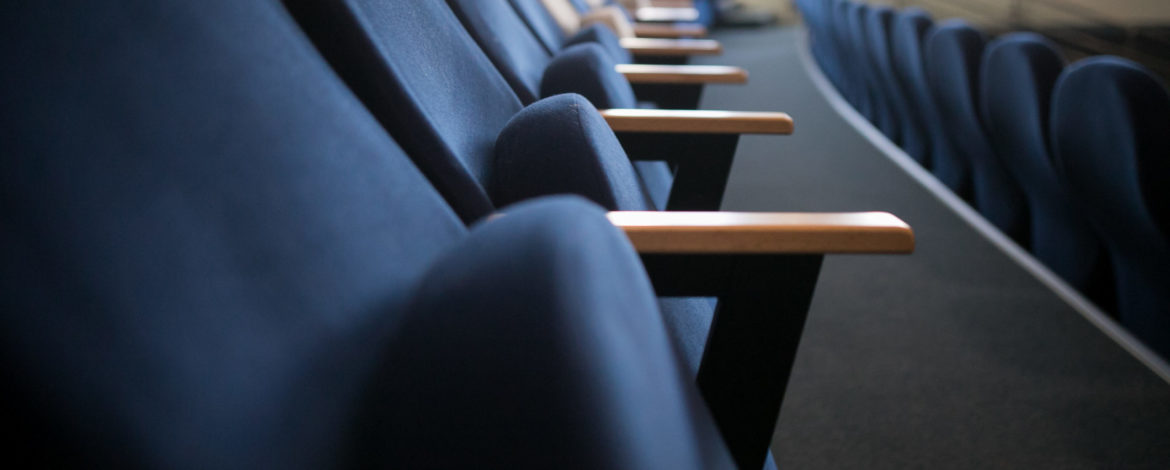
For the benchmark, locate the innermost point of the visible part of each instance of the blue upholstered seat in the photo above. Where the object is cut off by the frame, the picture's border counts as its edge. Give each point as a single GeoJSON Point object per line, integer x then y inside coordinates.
{"type": "Point", "coordinates": [1019, 73]}
{"type": "Point", "coordinates": [532, 71]}
{"type": "Point", "coordinates": [923, 135]}
{"type": "Point", "coordinates": [467, 127]}
{"type": "Point", "coordinates": [876, 44]}
{"type": "Point", "coordinates": [864, 92]}
{"type": "Point", "coordinates": [214, 257]}
{"type": "Point", "coordinates": [1109, 137]}
{"type": "Point", "coordinates": [953, 56]}
{"type": "Point", "coordinates": [541, 23]}
{"type": "Point", "coordinates": [447, 105]}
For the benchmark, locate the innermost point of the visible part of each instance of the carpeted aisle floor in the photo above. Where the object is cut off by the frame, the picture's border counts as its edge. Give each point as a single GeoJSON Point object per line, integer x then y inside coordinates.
{"type": "Point", "coordinates": [954, 357]}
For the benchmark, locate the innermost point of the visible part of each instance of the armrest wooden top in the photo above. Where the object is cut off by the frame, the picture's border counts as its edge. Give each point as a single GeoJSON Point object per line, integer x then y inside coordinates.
{"type": "Point", "coordinates": [656, 46]}
{"type": "Point", "coordinates": [667, 30]}
{"type": "Point", "coordinates": [667, 14]}
{"type": "Point", "coordinates": [765, 232]}
{"type": "Point", "coordinates": [697, 122]}
{"type": "Point", "coordinates": [694, 74]}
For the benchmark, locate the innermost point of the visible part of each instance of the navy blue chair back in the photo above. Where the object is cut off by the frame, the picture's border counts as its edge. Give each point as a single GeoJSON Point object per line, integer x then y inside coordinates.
{"type": "Point", "coordinates": [1019, 74]}
{"type": "Point", "coordinates": [426, 80]}
{"type": "Point", "coordinates": [205, 236]}
{"type": "Point", "coordinates": [953, 55]}
{"type": "Point", "coordinates": [864, 92]}
{"type": "Point", "coordinates": [542, 24]}
{"type": "Point", "coordinates": [925, 137]}
{"type": "Point", "coordinates": [508, 42]}
{"type": "Point", "coordinates": [1110, 121]}
{"type": "Point", "coordinates": [878, 47]}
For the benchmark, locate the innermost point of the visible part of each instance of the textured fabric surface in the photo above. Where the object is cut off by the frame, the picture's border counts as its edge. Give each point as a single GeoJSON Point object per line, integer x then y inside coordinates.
{"type": "Point", "coordinates": [875, 47]}
{"type": "Point", "coordinates": [954, 357]}
{"type": "Point", "coordinates": [542, 23]}
{"type": "Point", "coordinates": [923, 135]}
{"type": "Point", "coordinates": [445, 113]}
{"type": "Point", "coordinates": [586, 69]}
{"type": "Point", "coordinates": [205, 236]}
{"type": "Point", "coordinates": [562, 345]}
{"type": "Point", "coordinates": [562, 145]}
{"type": "Point", "coordinates": [216, 258]}
{"type": "Point", "coordinates": [1109, 121]}
{"type": "Point", "coordinates": [516, 52]}
{"type": "Point", "coordinates": [878, 28]}
{"type": "Point", "coordinates": [604, 37]}
{"type": "Point", "coordinates": [953, 56]}
{"type": "Point", "coordinates": [1019, 73]}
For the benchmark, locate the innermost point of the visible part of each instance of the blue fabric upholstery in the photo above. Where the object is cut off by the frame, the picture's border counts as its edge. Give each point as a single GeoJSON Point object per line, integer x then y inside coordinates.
{"type": "Point", "coordinates": [863, 93]}
{"type": "Point", "coordinates": [876, 43]}
{"type": "Point", "coordinates": [212, 254]}
{"type": "Point", "coordinates": [1109, 122]}
{"type": "Point", "coordinates": [893, 97]}
{"type": "Point", "coordinates": [542, 24]}
{"type": "Point", "coordinates": [606, 38]}
{"type": "Point", "coordinates": [1019, 73]}
{"type": "Point", "coordinates": [445, 113]}
{"type": "Point", "coordinates": [567, 294]}
{"type": "Point", "coordinates": [954, 53]}
{"type": "Point", "coordinates": [580, 5]}
{"type": "Point", "coordinates": [507, 41]}
{"type": "Point", "coordinates": [549, 33]}
{"type": "Point", "coordinates": [587, 70]}
{"type": "Point", "coordinates": [925, 136]}
{"type": "Point", "coordinates": [549, 146]}
{"type": "Point", "coordinates": [407, 77]}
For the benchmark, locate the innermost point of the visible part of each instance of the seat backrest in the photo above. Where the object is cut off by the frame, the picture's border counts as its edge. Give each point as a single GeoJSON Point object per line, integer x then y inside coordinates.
{"type": "Point", "coordinates": [426, 80]}
{"type": "Point", "coordinates": [855, 27]}
{"type": "Point", "coordinates": [1018, 75]}
{"type": "Point", "coordinates": [877, 30]}
{"type": "Point", "coordinates": [1109, 137]}
{"type": "Point", "coordinates": [542, 24]}
{"type": "Point", "coordinates": [953, 56]}
{"type": "Point", "coordinates": [205, 236]}
{"type": "Point", "coordinates": [923, 136]}
{"type": "Point", "coordinates": [508, 42]}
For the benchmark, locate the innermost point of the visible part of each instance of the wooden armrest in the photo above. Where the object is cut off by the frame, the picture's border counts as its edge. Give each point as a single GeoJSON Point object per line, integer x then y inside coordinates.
{"type": "Point", "coordinates": [764, 232]}
{"type": "Point", "coordinates": [666, 30]}
{"type": "Point", "coordinates": [667, 14]}
{"type": "Point", "coordinates": [697, 122]}
{"type": "Point", "coordinates": [652, 46]}
{"type": "Point", "coordinates": [673, 3]}
{"type": "Point", "coordinates": [682, 74]}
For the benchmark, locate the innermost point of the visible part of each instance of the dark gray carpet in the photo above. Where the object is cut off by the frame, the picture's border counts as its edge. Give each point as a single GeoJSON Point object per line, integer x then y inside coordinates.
{"type": "Point", "coordinates": [954, 357]}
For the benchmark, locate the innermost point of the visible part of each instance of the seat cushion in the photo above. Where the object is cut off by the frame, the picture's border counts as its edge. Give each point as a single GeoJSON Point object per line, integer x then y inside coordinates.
{"type": "Point", "coordinates": [588, 70]}
{"type": "Point", "coordinates": [602, 35]}
{"type": "Point", "coordinates": [562, 145]}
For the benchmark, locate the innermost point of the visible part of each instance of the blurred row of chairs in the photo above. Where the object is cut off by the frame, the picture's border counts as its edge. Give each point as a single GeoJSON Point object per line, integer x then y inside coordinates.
{"type": "Point", "coordinates": [1070, 161]}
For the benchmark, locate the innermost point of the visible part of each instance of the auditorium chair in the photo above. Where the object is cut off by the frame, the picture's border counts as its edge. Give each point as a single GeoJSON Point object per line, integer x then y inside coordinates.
{"type": "Point", "coordinates": [214, 257]}
{"type": "Point", "coordinates": [853, 90]}
{"type": "Point", "coordinates": [953, 54]}
{"type": "Point", "coordinates": [534, 72]}
{"type": "Point", "coordinates": [923, 136]}
{"type": "Point", "coordinates": [571, 15]}
{"type": "Point", "coordinates": [624, 49]}
{"type": "Point", "coordinates": [469, 134]}
{"type": "Point", "coordinates": [467, 110]}
{"type": "Point", "coordinates": [889, 88]}
{"type": "Point", "coordinates": [1109, 138]}
{"type": "Point", "coordinates": [1019, 73]}
{"type": "Point", "coordinates": [868, 103]}
{"type": "Point", "coordinates": [817, 15]}
{"type": "Point", "coordinates": [224, 261]}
